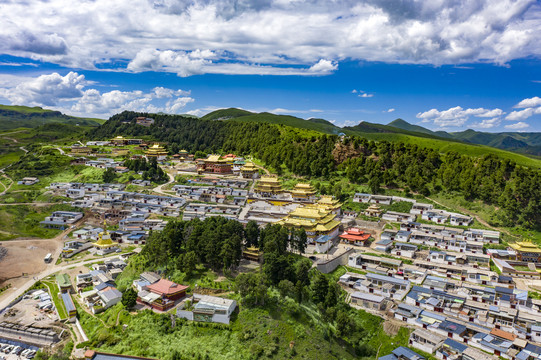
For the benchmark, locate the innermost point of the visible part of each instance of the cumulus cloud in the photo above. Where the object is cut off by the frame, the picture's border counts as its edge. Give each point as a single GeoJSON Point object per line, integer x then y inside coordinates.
{"type": "Point", "coordinates": [70, 93]}
{"type": "Point", "coordinates": [46, 89]}
{"type": "Point", "coordinates": [366, 95]}
{"type": "Point", "coordinates": [487, 123]}
{"type": "Point", "coordinates": [517, 126]}
{"type": "Point", "coordinates": [390, 110]}
{"type": "Point", "coordinates": [323, 67]}
{"type": "Point", "coordinates": [186, 37]}
{"type": "Point", "coordinates": [457, 116]}
{"type": "Point", "coordinates": [527, 103]}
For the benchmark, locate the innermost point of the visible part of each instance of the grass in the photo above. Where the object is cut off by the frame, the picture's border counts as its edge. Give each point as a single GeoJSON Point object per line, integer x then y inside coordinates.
{"type": "Point", "coordinates": [58, 303]}
{"type": "Point", "coordinates": [23, 220]}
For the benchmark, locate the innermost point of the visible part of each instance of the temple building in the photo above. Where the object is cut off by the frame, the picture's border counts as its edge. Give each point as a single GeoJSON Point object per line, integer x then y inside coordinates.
{"type": "Point", "coordinates": [373, 211]}
{"type": "Point", "coordinates": [214, 164]}
{"type": "Point", "coordinates": [355, 236]}
{"type": "Point", "coordinates": [105, 245]}
{"type": "Point", "coordinates": [328, 203]}
{"type": "Point", "coordinates": [316, 220]}
{"type": "Point", "coordinates": [268, 186]}
{"type": "Point", "coordinates": [157, 151]}
{"type": "Point", "coordinates": [249, 171]}
{"type": "Point", "coordinates": [303, 192]}
{"type": "Point", "coordinates": [527, 251]}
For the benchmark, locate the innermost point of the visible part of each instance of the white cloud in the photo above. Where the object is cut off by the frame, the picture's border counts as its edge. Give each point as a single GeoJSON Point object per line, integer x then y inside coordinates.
{"type": "Point", "coordinates": [517, 126]}
{"type": "Point", "coordinates": [70, 93]}
{"type": "Point", "coordinates": [46, 89]}
{"type": "Point", "coordinates": [456, 116]}
{"type": "Point", "coordinates": [366, 95]}
{"type": "Point", "coordinates": [527, 103]}
{"type": "Point", "coordinates": [201, 62]}
{"type": "Point", "coordinates": [487, 123]}
{"type": "Point", "coordinates": [227, 36]}
{"type": "Point", "coordinates": [323, 67]}
{"type": "Point", "coordinates": [390, 110]}
{"type": "Point", "coordinates": [354, 91]}
{"type": "Point", "coordinates": [523, 114]}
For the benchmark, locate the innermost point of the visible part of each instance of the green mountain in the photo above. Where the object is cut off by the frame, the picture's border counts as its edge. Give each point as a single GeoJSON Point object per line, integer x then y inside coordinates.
{"type": "Point", "coordinates": [232, 114]}
{"type": "Point", "coordinates": [13, 116]}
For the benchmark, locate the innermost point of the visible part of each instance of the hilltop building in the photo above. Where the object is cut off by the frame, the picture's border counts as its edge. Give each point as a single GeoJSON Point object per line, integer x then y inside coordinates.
{"type": "Point", "coordinates": [268, 186]}
{"type": "Point", "coordinates": [303, 192]}
{"type": "Point", "coordinates": [249, 171]}
{"type": "Point", "coordinates": [215, 164]}
{"type": "Point", "coordinates": [316, 220]}
{"type": "Point", "coordinates": [527, 251]}
{"type": "Point", "coordinates": [144, 121]}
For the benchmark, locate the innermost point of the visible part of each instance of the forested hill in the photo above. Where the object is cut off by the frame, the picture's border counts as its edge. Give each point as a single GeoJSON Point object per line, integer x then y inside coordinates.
{"type": "Point", "coordinates": [501, 182]}
{"type": "Point", "coordinates": [12, 117]}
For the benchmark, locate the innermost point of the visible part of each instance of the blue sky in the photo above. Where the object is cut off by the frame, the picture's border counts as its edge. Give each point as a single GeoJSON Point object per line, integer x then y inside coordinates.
{"type": "Point", "coordinates": [447, 64]}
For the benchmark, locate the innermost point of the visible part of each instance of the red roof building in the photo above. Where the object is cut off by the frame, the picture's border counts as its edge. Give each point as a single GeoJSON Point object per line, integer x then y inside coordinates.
{"type": "Point", "coordinates": [168, 289]}
{"type": "Point", "coordinates": [355, 236]}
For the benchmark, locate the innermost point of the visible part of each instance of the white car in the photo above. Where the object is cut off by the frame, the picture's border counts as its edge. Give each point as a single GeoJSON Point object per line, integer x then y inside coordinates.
{"type": "Point", "coordinates": [16, 350]}
{"type": "Point", "coordinates": [31, 354]}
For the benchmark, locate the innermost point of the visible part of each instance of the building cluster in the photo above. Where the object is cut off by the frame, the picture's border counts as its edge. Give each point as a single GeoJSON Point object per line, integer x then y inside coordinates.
{"type": "Point", "coordinates": [97, 288]}
{"type": "Point", "coordinates": [460, 309]}
{"type": "Point", "coordinates": [426, 211]}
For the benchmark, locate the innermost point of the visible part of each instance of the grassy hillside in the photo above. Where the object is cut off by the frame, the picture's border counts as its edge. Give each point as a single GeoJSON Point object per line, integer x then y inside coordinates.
{"type": "Point", "coordinates": [13, 116]}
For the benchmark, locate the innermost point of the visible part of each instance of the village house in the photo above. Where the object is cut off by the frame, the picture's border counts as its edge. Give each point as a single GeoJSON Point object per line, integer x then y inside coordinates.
{"type": "Point", "coordinates": [361, 198]}
{"type": "Point", "coordinates": [402, 353]}
{"type": "Point", "coordinates": [381, 199]}
{"type": "Point", "coordinates": [404, 249]}
{"type": "Point", "coordinates": [28, 181]}
{"type": "Point", "coordinates": [61, 219]}
{"type": "Point", "coordinates": [426, 341]}
{"type": "Point", "coordinates": [420, 208]}
{"type": "Point", "coordinates": [437, 216]}
{"type": "Point", "coordinates": [368, 301]}
{"type": "Point", "coordinates": [460, 220]}
{"type": "Point", "coordinates": [208, 308]}
{"type": "Point", "coordinates": [395, 216]}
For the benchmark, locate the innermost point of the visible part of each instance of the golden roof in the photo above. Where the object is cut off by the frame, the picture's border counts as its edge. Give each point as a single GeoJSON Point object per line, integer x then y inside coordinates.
{"type": "Point", "coordinates": [213, 158]}
{"type": "Point", "coordinates": [269, 179]}
{"type": "Point", "coordinates": [119, 137]}
{"type": "Point", "coordinates": [104, 240]}
{"type": "Point", "coordinates": [302, 189]}
{"type": "Point", "coordinates": [525, 246]}
{"type": "Point", "coordinates": [249, 166]}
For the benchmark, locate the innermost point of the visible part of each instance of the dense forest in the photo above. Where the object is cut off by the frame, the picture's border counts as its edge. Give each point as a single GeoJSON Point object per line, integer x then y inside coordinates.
{"type": "Point", "coordinates": [513, 189]}
{"type": "Point", "coordinates": [150, 169]}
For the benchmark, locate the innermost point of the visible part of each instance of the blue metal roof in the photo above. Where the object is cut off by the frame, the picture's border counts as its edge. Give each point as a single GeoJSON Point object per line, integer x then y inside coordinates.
{"type": "Point", "coordinates": [406, 353]}
{"type": "Point", "coordinates": [455, 345]}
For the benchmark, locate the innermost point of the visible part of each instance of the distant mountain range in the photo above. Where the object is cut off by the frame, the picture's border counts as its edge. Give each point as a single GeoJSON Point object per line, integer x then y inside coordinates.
{"type": "Point", "coordinates": [12, 117]}
{"type": "Point", "coordinates": [399, 129]}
